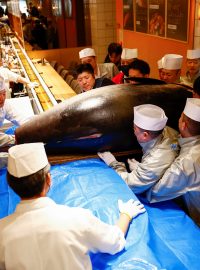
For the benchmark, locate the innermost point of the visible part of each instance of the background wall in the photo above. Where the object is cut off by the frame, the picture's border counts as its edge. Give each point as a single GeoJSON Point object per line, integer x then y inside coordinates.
{"type": "Point", "coordinates": [63, 56]}
{"type": "Point", "coordinates": [152, 48]}
{"type": "Point", "coordinates": [103, 25]}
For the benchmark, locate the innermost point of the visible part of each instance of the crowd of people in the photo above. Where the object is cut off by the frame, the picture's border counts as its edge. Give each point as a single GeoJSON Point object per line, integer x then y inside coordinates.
{"type": "Point", "coordinates": [169, 168]}
{"type": "Point", "coordinates": [122, 65]}
{"type": "Point", "coordinates": [39, 30]}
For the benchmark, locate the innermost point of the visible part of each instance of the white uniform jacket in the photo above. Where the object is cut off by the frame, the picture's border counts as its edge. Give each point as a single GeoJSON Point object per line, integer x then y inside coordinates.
{"type": "Point", "coordinates": [182, 178]}
{"type": "Point", "coordinates": [42, 235]}
{"type": "Point", "coordinates": [158, 154]}
{"type": "Point", "coordinates": [9, 76]}
{"type": "Point", "coordinates": [107, 70]}
{"type": "Point", "coordinates": [188, 80]}
{"type": "Point", "coordinates": [12, 114]}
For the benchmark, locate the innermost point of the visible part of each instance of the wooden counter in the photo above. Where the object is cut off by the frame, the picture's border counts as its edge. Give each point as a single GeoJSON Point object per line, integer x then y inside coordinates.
{"type": "Point", "coordinates": [62, 158]}
{"type": "Point", "coordinates": [57, 86]}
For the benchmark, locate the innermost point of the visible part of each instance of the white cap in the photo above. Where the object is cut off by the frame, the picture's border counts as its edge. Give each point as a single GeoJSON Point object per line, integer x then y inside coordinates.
{"type": "Point", "coordinates": [87, 52]}
{"type": "Point", "coordinates": [193, 54]}
{"type": "Point", "coordinates": [2, 84]}
{"type": "Point", "coordinates": [192, 108]}
{"type": "Point", "coordinates": [129, 53]}
{"type": "Point", "coordinates": [159, 63]}
{"type": "Point", "coordinates": [172, 61]}
{"type": "Point", "coordinates": [26, 159]}
{"type": "Point", "coordinates": [149, 117]}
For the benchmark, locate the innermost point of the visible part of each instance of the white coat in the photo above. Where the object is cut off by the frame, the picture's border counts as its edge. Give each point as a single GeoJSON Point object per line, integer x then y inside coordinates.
{"type": "Point", "coordinates": [12, 114]}
{"type": "Point", "coordinates": [158, 154]}
{"type": "Point", "coordinates": [42, 235]}
{"type": "Point", "coordinates": [8, 113]}
{"type": "Point", "coordinates": [182, 178]}
{"type": "Point", "coordinates": [187, 80]}
{"type": "Point", "coordinates": [9, 76]}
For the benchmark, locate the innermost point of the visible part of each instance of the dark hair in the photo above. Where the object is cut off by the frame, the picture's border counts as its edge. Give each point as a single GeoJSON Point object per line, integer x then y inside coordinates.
{"type": "Point", "coordinates": [28, 186]}
{"type": "Point", "coordinates": [84, 68]}
{"type": "Point", "coordinates": [192, 125]}
{"type": "Point", "coordinates": [140, 65]}
{"type": "Point", "coordinates": [114, 48]}
{"type": "Point", "coordinates": [196, 85]}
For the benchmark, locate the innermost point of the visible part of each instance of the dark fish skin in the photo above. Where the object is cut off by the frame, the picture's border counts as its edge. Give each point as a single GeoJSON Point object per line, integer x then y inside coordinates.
{"type": "Point", "coordinates": [106, 111]}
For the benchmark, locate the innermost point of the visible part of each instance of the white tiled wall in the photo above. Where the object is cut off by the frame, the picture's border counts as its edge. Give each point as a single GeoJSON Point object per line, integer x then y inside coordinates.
{"type": "Point", "coordinates": [103, 25]}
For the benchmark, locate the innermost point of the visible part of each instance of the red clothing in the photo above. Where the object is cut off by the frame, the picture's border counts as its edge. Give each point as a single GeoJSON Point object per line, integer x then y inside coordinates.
{"type": "Point", "coordinates": [119, 78]}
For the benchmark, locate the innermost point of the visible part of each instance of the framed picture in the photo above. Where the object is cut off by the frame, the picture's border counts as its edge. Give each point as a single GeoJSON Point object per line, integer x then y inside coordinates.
{"type": "Point", "coordinates": [177, 19]}
{"type": "Point", "coordinates": [128, 15]}
{"type": "Point", "coordinates": [141, 9]}
{"type": "Point", "coordinates": [157, 17]}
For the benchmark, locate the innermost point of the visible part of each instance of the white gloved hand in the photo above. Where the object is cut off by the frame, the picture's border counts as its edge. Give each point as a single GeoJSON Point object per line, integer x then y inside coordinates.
{"type": "Point", "coordinates": [131, 208]}
{"type": "Point", "coordinates": [132, 164]}
{"type": "Point", "coordinates": [107, 157]}
{"type": "Point", "coordinates": [33, 84]}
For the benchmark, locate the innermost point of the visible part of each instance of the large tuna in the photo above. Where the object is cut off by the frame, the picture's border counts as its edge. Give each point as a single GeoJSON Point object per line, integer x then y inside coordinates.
{"type": "Point", "coordinates": [101, 119]}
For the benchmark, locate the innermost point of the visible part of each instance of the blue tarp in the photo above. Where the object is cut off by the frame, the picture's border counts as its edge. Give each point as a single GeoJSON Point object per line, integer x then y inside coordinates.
{"type": "Point", "coordinates": [162, 238]}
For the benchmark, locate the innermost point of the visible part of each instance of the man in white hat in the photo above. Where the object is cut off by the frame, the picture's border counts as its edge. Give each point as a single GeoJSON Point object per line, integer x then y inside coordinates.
{"type": "Point", "coordinates": [41, 234]}
{"type": "Point", "coordinates": [158, 144]}
{"type": "Point", "coordinates": [183, 177]}
{"type": "Point", "coordinates": [12, 114]}
{"type": "Point", "coordinates": [171, 68]}
{"type": "Point", "coordinates": [193, 67]}
{"type": "Point", "coordinates": [108, 70]}
{"type": "Point", "coordinates": [128, 56]}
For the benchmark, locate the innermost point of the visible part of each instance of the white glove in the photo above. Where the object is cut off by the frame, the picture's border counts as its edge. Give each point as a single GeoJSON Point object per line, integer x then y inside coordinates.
{"type": "Point", "coordinates": [131, 208]}
{"type": "Point", "coordinates": [132, 164]}
{"type": "Point", "coordinates": [107, 157]}
{"type": "Point", "coordinates": [33, 84]}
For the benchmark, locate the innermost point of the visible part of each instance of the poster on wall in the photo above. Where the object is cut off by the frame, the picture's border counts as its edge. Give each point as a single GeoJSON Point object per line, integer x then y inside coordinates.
{"type": "Point", "coordinates": [128, 15]}
{"type": "Point", "coordinates": [177, 19]}
{"type": "Point", "coordinates": [141, 16]}
{"type": "Point", "coordinates": [157, 17]}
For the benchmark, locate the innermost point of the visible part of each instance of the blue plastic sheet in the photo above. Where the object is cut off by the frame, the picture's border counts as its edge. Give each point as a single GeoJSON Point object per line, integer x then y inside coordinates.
{"type": "Point", "coordinates": [162, 238]}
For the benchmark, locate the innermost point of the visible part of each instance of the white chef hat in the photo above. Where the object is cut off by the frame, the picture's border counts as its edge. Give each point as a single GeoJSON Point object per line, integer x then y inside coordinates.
{"type": "Point", "coordinates": [26, 159]}
{"type": "Point", "coordinates": [159, 63]}
{"type": "Point", "coordinates": [192, 108]}
{"type": "Point", "coordinates": [129, 53]}
{"type": "Point", "coordinates": [87, 52]}
{"type": "Point", "coordinates": [193, 54]}
{"type": "Point", "coordinates": [172, 61]}
{"type": "Point", "coordinates": [149, 117]}
{"type": "Point", "coordinates": [2, 84]}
